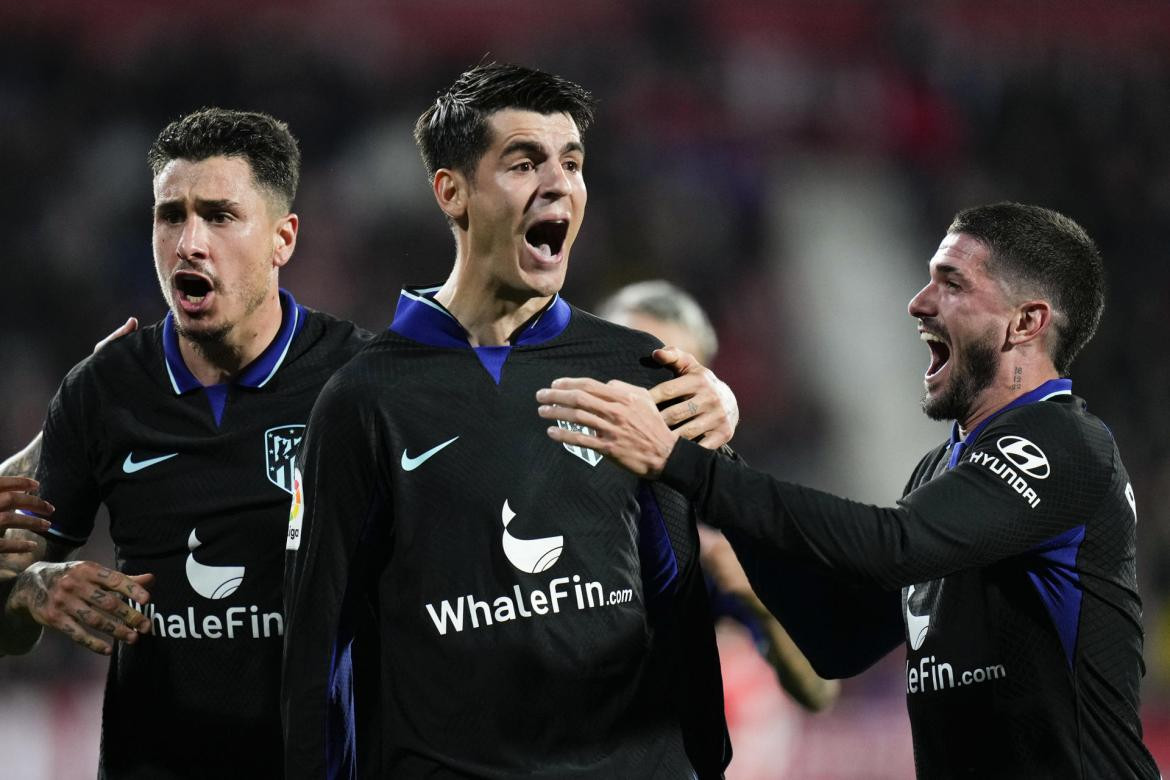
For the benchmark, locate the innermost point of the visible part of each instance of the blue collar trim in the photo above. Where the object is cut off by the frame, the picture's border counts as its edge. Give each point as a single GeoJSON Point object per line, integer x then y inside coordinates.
{"type": "Point", "coordinates": [419, 317]}
{"type": "Point", "coordinates": [1045, 391]}
{"type": "Point", "coordinates": [255, 374]}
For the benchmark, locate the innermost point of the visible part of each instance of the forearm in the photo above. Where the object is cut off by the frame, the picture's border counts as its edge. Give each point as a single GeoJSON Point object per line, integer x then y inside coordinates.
{"type": "Point", "coordinates": [23, 463]}
{"type": "Point", "coordinates": [19, 632]}
{"type": "Point", "coordinates": [796, 675]}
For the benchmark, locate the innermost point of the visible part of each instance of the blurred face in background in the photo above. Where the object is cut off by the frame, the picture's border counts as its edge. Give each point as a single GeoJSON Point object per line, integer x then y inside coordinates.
{"type": "Point", "coordinates": [219, 241]}
{"type": "Point", "coordinates": [672, 334]}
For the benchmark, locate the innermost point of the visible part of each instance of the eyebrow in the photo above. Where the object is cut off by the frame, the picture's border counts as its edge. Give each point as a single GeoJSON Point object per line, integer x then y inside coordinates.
{"type": "Point", "coordinates": [534, 149]}
{"type": "Point", "coordinates": [203, 205]}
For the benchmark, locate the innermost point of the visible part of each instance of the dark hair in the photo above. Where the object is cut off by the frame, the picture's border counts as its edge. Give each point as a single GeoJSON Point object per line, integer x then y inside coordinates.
{"type": "Point", "coordinates": [262, 140]}
{"type": "Point", "coordinates": [453, 132]}
{"type": "Point", "coordinates": [1038, 252]}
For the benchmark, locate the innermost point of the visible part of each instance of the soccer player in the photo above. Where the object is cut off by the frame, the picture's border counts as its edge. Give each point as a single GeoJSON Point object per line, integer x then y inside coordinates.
{"type": "Point", "coordinates": [187, 430]}
{"type": "Point", "coordinates": [667, 312]}
{"type": "Point", "coordinates": [516, 608]}
{"type": "Point", "coordinates": [1013, 544]}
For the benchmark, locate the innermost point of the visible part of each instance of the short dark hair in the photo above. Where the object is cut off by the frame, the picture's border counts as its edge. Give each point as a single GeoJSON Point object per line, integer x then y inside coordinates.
{"type": "Point", "coordinates": [453, 131]}
{"type": "Point", "coordinates": [263, 141]}
{"type": "Point", "coordinates": [1038, 252]}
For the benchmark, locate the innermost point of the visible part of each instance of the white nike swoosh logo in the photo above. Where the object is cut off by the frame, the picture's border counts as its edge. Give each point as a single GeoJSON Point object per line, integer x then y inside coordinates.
{"type": "Point", "coordinates": [129, 466]}
{"type": "Point", "coordinates": [410, 464]}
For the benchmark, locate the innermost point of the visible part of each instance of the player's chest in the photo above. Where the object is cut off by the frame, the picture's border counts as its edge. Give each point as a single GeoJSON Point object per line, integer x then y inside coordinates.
{"type": "Point", "coordinates": [173, 461]}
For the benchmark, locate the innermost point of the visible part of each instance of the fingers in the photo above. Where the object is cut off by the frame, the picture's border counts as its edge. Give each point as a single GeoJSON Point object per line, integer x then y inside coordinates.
{"type": "Point", "coordinates": [556, 433]}
{"type": "Point", "coordinates": [18, 484]}
{"type": "Point", "coordinates": [708, 431]}
{"type": "Point", "coordinates": [27, 522]}
{"type": "Point", "coordinates": [116, 581]}
{"type": "Point", "coordinates": [11, 501]}
{"type": "Point", "coordinates": [129, 326]}
{"type": "Point", "coordinates": [82, 597]}
{"type": "Point", "coordinates": [676, 359]}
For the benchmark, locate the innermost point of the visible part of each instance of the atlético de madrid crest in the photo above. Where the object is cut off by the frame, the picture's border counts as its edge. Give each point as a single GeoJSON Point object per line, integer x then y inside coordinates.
{"type": "Point", "coordinates": [590, 456]}
{"type": "Point", "coordinates": [280, 451]}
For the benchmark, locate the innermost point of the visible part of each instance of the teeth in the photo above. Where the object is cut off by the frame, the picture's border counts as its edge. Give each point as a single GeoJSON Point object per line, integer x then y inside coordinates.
{"type": "Point", "coordinates": [930, 337]}
{"type": "Point", "coordinates": [195, 298]}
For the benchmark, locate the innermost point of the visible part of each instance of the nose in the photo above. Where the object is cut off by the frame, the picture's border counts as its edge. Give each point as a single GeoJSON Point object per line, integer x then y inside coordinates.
{"type": "Point", "coordinates": [554, 182]}
{"type": "Point", "coordinates": [193, 240]}
{"type": "Point", "coordinates": [923, 304]}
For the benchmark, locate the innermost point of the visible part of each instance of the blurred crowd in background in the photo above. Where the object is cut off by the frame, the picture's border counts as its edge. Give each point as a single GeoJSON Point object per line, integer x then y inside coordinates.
{"type": "Point", "coordinates": [791, 164]}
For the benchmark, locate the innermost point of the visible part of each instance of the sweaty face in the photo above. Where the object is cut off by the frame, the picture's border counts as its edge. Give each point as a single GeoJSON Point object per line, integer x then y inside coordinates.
{"type": "Point", "coordinates": [962, 316]}
{"type": "Point", "coordinates": [216, 243]}
{"type": "Point", "coordinates": [526, 202]}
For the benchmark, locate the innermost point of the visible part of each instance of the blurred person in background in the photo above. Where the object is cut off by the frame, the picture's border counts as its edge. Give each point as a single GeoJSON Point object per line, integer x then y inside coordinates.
{"type": "Point", "coordinates": [670, 314]}
{"type": "Point", "coordinates": [532, 609]}
{"type": "Point", "coordinates": [1014, 543]}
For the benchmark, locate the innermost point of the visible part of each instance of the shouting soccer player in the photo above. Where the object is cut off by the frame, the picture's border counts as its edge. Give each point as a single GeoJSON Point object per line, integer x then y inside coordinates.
{"type": "Point", "coordinates": [515, 607]}
{"type": "Point", "coordinates": [187, 431]}
{"type": "Point", "coordinates": [1013, 545]}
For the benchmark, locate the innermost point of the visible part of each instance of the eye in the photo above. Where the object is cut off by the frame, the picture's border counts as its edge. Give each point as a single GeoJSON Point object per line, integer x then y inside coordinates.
{"type": "Point", "coordinates": [572, 166]}
{"type": "Point", "coordinates": [524, 166]}
{"type": "Point", "coordinates": [169, 217]}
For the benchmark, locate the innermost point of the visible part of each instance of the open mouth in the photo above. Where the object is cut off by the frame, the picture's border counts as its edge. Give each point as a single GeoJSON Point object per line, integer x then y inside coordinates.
{"type": "Point", "coordinates": [940, 353]}
{"type": "Point", "coordinates": [548, 238]}
{"type": "Point", "coordinates": [192, 287]}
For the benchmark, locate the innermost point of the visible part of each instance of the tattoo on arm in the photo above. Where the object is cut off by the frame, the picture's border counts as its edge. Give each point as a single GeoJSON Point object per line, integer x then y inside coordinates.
{"type": "Point", "coordinates": [23, 463]}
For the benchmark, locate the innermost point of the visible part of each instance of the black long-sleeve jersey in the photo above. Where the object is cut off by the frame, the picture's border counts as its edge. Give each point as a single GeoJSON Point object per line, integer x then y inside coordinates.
{"type": "Point", "coordinates": [501, 605]}
{"type": "Point", "coordinates": [198, 482]}
{"type": "Point", "coordinates": [1014, 552]}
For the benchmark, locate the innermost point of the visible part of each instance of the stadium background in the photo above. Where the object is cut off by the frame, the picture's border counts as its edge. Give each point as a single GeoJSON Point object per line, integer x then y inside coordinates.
{"type": "Point", "coordinates": [792, 164]}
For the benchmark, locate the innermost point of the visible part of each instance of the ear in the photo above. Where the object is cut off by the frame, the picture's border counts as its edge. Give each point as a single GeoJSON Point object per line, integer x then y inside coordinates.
{"type": "Point", "coordinates": [284, 239]}
{"type": "Point", "coordinates": [451, 190]}
{"type": "Point", "coordinates": [1030, 321]}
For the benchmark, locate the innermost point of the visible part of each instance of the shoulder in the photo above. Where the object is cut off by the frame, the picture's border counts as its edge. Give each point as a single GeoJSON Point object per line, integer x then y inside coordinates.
{"type": "Point", "coordinates": [1056, 440]}
{"type": "Point", "coordinates": [119, 363]}
{"type": "Point", "coordinates": [586, 325]}
{"type": "Point", "coordinates": [606, 351]}
{"type": "Point", "coordinates": [329, 334]}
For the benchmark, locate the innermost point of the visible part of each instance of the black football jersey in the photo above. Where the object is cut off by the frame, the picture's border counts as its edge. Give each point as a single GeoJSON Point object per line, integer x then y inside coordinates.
{"type": "Point", "coordinates": [1013, 549]}
{"type": "Point", "coordinates": [198, 481]}
{"type": "Point", "coordinates": [516, 607]}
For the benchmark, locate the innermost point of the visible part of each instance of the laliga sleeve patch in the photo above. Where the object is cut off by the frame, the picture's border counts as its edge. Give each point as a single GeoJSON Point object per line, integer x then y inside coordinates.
{"type": "Point", "coordinates": [296, 512]}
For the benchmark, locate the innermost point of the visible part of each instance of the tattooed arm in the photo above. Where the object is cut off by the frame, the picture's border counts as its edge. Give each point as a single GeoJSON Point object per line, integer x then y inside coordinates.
{"type": "Point", "coordinates": [83, 600]}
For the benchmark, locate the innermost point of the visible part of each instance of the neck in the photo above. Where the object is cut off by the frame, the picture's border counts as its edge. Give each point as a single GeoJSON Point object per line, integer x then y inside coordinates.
{"type": "Point", "coordinates": [219, 361]}
{"type": "Point", "coordinates": [490, 312]}
{"type": "Point", "coordinates": [1013, 381]}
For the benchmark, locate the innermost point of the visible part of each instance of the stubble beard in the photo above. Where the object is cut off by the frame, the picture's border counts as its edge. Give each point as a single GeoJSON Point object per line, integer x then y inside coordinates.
{"type": "Point", "coordinates": [968, 379]}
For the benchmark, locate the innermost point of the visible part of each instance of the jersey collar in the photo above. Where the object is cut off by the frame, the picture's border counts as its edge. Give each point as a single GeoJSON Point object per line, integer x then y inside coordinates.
{"type": "Point", "coordinates": [1045, 391]}
{"type": "Point", "coordinates": [419, 317]}
{"type": "Point", "coordinates": [255, 374]}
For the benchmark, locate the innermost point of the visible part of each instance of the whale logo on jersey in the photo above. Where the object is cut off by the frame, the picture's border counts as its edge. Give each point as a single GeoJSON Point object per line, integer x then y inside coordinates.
{"type": "Point", "coordinates": [280, 454]}
{"type": "Point", "coordinates": [1025, 456]}
{"type": "Point", "coordinates": [530, 555]}
{"type": "Point", "coordinates": [592, 457]}
{"type": "Point", "coordinates": [211, 582]}
{"type": "Point", "coordinates": [917, 603]}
